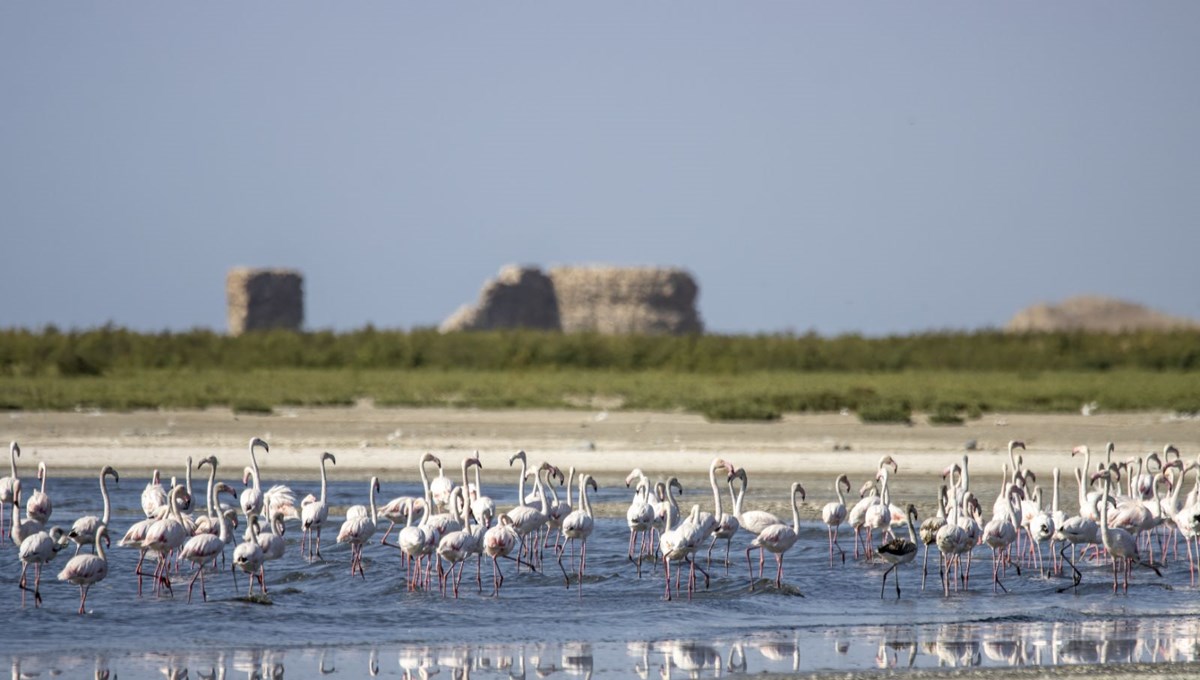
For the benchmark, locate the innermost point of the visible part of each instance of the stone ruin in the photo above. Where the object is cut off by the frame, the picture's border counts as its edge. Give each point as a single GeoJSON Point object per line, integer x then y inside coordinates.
{"type": "Point", "coordinates": [614, 300]}
{"type": "Point", "coordinates": [1094, 313]}
{"type": "Point", "coordinates": [262, 299]}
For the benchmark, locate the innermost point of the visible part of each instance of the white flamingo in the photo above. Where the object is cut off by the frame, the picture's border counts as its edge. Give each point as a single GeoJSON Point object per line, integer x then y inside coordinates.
{"type": "Point", "coordinates": [395, 511]}
{"type": "Point", "coordinates": [639, 517]}
{"type": "Point", "coordinates": [248, 556]}
{"type": "Point", "coordinates": [273, 545]}
{"type": "Point", "coordinates": [251, 500]}
{"type": "Point", "coordinates": [577, 526]}
{"type": "Point", "coordinates": [778, 538]}
{"type": "Point", "coordinates": [1118, 542]}
{"type": "Point", "coordinates": [358, 530]}
{"type": "Point", "coordinates": [83, 531]}
{"type": "Point", "coordinates": [499, 541]}
{"type": "Point", "coordinates": [10, 487]}
{"type": "Point", "coordinates": [154, 496]}
{"type": "Point", "coordinates": [203, 548]}
{"type": "Point", "coordinates": [314, 514]}
{"type": "Point", "coordinates": [87, 570]}
{"type": "Point", "coordinates": [834, 513]}
{"type": "Point", "coordinates": [728, 524]}
{"type": "Point", "coordinates": [39, 506]}
{"type": "Point", "coordinates": [456, 546]}
{"type": "Point", "coordinates": [38, 549]}
{"type": "Point", "coordinates": [165, 536]}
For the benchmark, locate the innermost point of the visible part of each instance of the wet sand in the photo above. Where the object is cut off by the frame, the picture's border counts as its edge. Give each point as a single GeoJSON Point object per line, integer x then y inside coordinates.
{"type": "Point", "coordinates": [368, 439]}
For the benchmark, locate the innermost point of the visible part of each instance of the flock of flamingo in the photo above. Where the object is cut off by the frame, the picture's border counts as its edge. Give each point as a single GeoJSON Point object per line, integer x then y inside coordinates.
{"type": "Point", "coordinates": [437, 533]}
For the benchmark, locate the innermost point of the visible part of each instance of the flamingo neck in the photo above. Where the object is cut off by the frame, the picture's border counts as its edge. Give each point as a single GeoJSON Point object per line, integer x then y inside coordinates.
{"type": "Point", "coordinates": [324, 480]}
{"type": "Point", "coordinates": [12, 460]}
{"type": "Point", "coordinates": [795, 513]}
{"type": "Point", "coordinates": [570, 482]}
{"type": "Point", "coordinates": [425, 485]}
{"type": "Point", "coordinates": [104, 495]}
{"type": "Point", "coordinates": [371, 496]}
{"type": "Point", "coordinates": [583, 496]}
{"type": "Point", "coordinates": [837, 487]}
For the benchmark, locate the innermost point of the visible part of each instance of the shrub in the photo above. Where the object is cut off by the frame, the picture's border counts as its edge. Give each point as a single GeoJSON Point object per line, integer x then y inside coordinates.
{"type": "Point", "coordinates": [885, 412]}
{"type": "Point", "coordinates": [732, 409]}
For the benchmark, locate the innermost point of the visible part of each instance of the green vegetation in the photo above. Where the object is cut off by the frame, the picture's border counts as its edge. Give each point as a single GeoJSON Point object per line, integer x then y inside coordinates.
{"type": "Point", "coordinates": [950, 376]}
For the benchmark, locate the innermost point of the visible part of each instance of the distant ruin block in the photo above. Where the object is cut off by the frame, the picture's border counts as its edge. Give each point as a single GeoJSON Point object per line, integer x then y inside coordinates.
{"type": "Point", "coordinates": [1094, 314]}
{"type": "Point", "coordinates": [519, 297]}
{"type": "Point", "coordinates": [262, 299]}
{"type": "Point", "coordinates": [611, 300]}
{"type": "Point", "coordinates": [617, 300]}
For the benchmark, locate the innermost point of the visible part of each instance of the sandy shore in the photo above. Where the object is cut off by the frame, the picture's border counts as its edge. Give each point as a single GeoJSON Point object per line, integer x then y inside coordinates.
{"type": "Point", "coordinates": [370, 440]}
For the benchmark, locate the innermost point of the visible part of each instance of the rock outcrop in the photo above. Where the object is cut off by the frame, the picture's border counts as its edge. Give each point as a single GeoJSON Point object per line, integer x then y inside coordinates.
{"type": "Point", "coordinates": [643, 300]}
{"type": "Point", "coordinates": [261, 299]}
{"type": "Point", "coordinates": [1094, 313]}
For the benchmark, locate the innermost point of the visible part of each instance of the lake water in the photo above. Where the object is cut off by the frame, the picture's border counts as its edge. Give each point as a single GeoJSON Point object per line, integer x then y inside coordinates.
{"type": "Point", "coordinates": [321, 622]}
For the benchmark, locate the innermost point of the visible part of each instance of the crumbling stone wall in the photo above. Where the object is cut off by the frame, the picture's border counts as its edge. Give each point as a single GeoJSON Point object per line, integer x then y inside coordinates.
{"type": "Point", "coordinates": [649, 300]}
{"type": "Point", "coordinates": [644, 300]}
{"type": "Point", "coordinates": [520, 297]}
{"type": "Point", "coordinates": [260, 299]}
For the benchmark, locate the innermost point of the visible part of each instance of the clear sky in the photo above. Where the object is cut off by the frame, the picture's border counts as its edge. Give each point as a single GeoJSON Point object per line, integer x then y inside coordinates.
{"type": "Point", "coordinates": [827, 166]}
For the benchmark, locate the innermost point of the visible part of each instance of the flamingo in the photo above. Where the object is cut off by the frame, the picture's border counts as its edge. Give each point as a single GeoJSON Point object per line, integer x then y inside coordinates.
{"type": "Point", "coordinates": [834, 513]}
{"type": "Point", "coordinates": [498, 542]}
{"type": "Point", "coordinates": [86, 570]}
{"type": "Point", "coordinates": [456, 546]}
{"type": "Point", "coordinates": [639, 517]}
{"type": "Point", "coordinates": [557, 509]}
{"type": "Point", "coordinates": [899, 551]}
{"type": "Point", "coordinates": [1118, 542]}
{"type": "Point", "coordinates": [416, 541]}
{"type": "Point", "coordinates": [577, 526]}
{"type": "Point", "coordinates": [482, 505]}
{"type": "Point", "coordinates": [314, 514]}
{"type": "Point", "coordinates": [204, 548]}
{"type": "Point", "coordinates": [272, 544]}
{"type": "Point", "coordinates": [953, 539]}
{"type": "Point", "coordinates": [248, 556]}
{"type": "Point", "coordinates": [675, 544]}
{"type": "Point", "coordinates": [778, 538]}
{"type": "Point", "coordinates": [528, 520]}
{"type": "Point", "coordinates": [440, 488]}
{"type": "Point", "coordinates": [10, 487]}
{"type": "Point", "coordinates": [165, 536]}
{"type": "Point", "coordinates": [857, 515]}
{"type": "Point", "coordinates": [1079, 529]}
{"type": "Point", "coordinates": [396, 510]}
{"type": "Point", "coordinates": [1001, 532]}
{"type": "Point", "coordinates": [84, 530]}
{"type": "Point", "coordinates": [39, 506]}
{"type": "Point", "coordinates": [38, 549]}
{"type": "Point", "coordinates": [153, 496]}
{"type": "Point", "coordinates": [929, 529]}
{"type": "Point", "coordinates": [251, 500]}
{"type": "Point", "coordinates": [358, 530]}
{"type": "Point", "coordinates": [728, 524]}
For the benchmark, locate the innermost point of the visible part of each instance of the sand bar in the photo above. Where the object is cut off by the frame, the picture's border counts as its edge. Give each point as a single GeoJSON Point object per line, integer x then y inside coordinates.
{"type": "Point", "coordinates": [368, 439]}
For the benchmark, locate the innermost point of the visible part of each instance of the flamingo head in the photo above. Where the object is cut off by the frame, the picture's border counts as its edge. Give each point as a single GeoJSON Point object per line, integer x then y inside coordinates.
{"type": "Point", "coordinates": [519, 455]}
{"type": "Point", "coordinates": [889, 462]}
{"type": "Point", "coordinates": [1081, 450]}
{"type": "Point", "coordinates": [1016, 444]}
{"type": "Point", "coordinates": [842, 481]}
{"type": "Point", "coordinates": [111, 472]}
{"type": "Point", "coordinates": [14, 449]}
{"type": "Point", "coordinates": [635, 474]}
{"type": "Point", "coordinates": [591, 481]}
{"type": "Point", "coordinates": [327, 456]}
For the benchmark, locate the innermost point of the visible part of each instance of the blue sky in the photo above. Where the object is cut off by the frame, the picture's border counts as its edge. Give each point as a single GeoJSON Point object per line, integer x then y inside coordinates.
{"type": "Point", "coordinates": [837, 167]}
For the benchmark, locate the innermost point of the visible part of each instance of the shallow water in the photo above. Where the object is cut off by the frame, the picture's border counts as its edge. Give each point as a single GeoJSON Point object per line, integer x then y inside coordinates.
{"type": "Point", "coordinates": [318, 621]}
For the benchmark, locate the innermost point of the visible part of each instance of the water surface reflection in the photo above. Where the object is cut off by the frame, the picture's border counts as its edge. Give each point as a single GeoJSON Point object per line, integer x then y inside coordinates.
{"type": "Point", "coordinates": [807, 650]}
